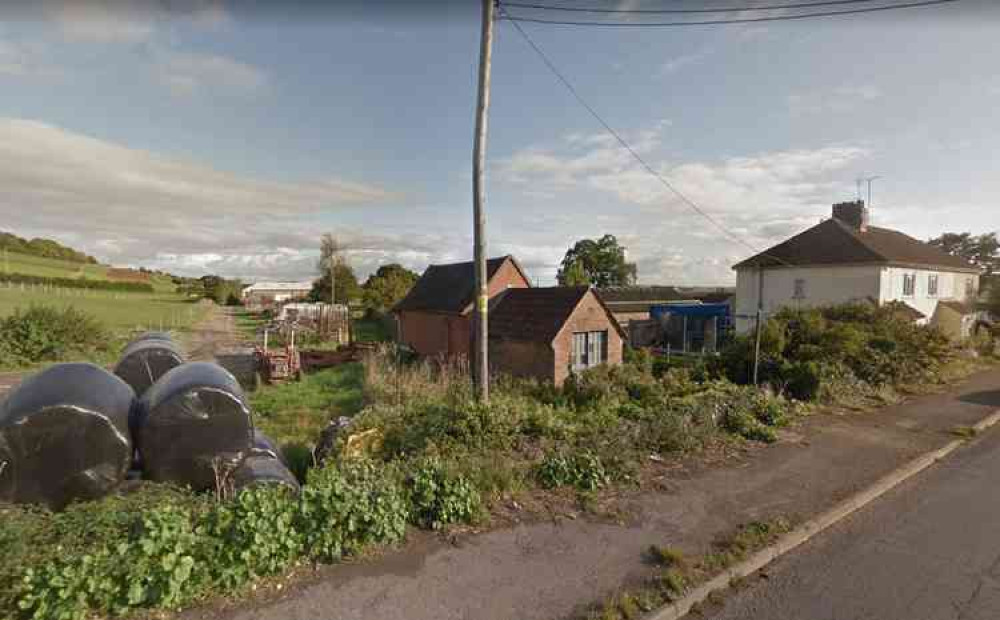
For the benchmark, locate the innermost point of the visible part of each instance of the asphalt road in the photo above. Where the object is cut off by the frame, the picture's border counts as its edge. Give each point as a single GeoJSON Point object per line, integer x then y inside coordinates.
{"type": "Point", "coordinates": [928, 550]}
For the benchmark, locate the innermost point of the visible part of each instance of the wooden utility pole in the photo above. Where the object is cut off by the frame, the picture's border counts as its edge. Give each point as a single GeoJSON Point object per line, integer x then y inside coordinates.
{"type": "Point", "coordinates": [480, 364]}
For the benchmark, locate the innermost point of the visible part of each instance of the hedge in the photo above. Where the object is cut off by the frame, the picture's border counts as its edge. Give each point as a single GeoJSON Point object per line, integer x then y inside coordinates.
{"type": "Point", "coordinates": [75, 283]}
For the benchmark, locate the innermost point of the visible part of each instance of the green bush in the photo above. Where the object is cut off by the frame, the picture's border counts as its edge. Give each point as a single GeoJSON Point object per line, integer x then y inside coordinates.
{"type": "Point", "coordinates": [163, 548]}
{"type": "Point", "coordinates": [346, 507]}
{"type": "Point", "coordinates": [439, 497]}
{"type": "Point", "coordinates": [45, 333]}
{"type": "Point", "coordinates": [874, 345]}
{"type": "Point", "coordinates": [582, 470]}
{"type": "Point", "coordinates": [256, 534]}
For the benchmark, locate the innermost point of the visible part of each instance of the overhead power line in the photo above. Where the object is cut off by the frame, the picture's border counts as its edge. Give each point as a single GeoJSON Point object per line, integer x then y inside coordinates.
{"type": "Point", "coordinates": [719, 22]}
{"type": "Point", "coordinates": [732, 9]}
{"type": "Point", "coordinates": [625, 145]}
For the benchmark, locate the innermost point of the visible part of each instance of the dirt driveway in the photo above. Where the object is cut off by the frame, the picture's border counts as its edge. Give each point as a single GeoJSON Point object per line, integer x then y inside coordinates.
{"type": "Point", "coordinates": [214, 335]}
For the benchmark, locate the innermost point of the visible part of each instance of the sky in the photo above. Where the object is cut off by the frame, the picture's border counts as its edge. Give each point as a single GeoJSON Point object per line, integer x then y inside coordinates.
{"type": "Point", "coordinates": [225, 136]}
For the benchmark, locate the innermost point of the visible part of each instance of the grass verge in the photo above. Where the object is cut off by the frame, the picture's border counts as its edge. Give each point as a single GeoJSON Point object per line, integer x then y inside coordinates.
{"type": "Point", "coordinates": [675, 575]}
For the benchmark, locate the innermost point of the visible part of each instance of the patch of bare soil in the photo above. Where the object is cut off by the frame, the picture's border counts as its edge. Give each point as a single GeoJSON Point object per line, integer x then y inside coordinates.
{"type": "Point", "coordinates": [215, 335]}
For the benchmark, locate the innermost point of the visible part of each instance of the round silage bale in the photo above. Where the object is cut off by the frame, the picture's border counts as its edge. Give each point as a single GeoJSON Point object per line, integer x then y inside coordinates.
{"type": "Point", "coordinates": [64, 436]}
{"type": "Point", "coordinates": [152, 336]}
{"type": "Point", "coordinates": [144, 361]}
{"type": "Point", "coordinates": [263, 470]}
{"type": "Point", "coordinates": [192, 425]}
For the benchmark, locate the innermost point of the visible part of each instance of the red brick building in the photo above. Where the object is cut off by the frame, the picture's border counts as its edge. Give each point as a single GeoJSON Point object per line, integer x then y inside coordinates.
{"type": "Point", "coordinates": [435, 318]}
{"type": "Point", "coordinates": [547, 333]}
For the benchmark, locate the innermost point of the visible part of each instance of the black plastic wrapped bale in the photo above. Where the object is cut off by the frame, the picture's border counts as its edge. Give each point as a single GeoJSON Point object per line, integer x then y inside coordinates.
{"type": "Point", "coordinates": [144, 361]}
{"type": "Point", "coordinates": [152, 336]}
{"type": "Point", "coordinates": [265, 446]}
{"type": "Point", "coordinates": [192, 424]}
{"type": "Point", "coordinates": [263, 470]}
{"type": "Point", "coordinates": [64, 436]}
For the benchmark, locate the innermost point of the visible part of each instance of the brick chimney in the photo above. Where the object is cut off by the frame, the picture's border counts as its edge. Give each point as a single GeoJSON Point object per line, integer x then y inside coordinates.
{"type": "Point", "coordinates": [854, 214]}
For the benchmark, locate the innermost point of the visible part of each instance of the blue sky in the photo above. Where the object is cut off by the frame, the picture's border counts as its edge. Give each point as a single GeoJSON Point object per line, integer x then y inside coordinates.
{"type": "Point", "coordinates": [209, 137]}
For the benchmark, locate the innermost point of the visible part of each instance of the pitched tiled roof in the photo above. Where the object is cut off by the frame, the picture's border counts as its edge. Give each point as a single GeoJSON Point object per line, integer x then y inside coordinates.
{"type": "Point", "coordinates": [832, 242]}
{"type": "Point", "coordinates": [448, 288]}
{"type": "Point", "coordinates": [536, 314]}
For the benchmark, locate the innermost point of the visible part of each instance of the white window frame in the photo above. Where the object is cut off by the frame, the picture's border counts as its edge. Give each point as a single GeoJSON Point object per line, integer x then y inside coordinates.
{"type": "Point", "coordinates": [588, 349]}
{"type": "Point", "coordinates": [970, 287]}
{"type": "Point", "coordinates": [799, 288]}
{"type": "Point", "coordinates": [911, 279]}
{"type": "Point", "coordinates": [932, 284]}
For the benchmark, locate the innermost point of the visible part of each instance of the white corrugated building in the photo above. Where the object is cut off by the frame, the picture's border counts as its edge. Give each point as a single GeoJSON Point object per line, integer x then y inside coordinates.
{"type": "Point", "coordinates": [267, 294]}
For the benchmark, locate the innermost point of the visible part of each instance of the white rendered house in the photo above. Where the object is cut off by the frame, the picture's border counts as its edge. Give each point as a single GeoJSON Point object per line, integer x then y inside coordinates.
{"type": "Point", "coordinates": [844, 259]}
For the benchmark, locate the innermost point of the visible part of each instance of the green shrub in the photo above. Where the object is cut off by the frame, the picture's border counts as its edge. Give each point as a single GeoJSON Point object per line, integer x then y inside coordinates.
{"type": "Point", "coordinates": [349, 505]}
{"type": "Point", "coordinates": [45, 333]}
{"type": "Point", "coordinates": [582, 470]}
{"type": "Point", "coordinates": [77, 283]}
{"type": "Point", "coordinates": [255, 534]}
{"type": "Point", "coordinates": [439, 497]}
{"type": "Point", "coordinates": [874, 345]}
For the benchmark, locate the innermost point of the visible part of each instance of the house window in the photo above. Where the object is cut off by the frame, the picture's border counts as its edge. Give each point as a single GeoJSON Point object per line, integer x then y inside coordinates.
{"type": "Point", "coordinates": [589, 349]}
{"type": "Point", "coordinates": [932, 285]}
{"type": "Point", "coordinates": [909, 284]}
{"type": "Point", "coordinates": [970, 287]}
{"type": "Point", "coordinates": [800, 289]}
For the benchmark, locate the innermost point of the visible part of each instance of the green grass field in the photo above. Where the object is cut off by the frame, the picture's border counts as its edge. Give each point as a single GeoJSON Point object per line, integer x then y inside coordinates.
{"type": "Point", "coordinates": [12, 262]}
{"type": "Point", "coordinates": [118, 311]}
{"type": "Point", "coordinates": [296, 412]}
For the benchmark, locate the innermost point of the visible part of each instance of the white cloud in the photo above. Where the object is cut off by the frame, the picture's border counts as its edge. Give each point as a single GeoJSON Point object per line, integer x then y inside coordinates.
{"type": "Point", "coordinates": [761, 198]}
{"type": "Point", "coordinates": [836, 101]}
{"type": "Point", "coordinates": [184, 73]}
{"type": "Point", "coordinates": [113, 21]}
{"type": "Point", "coordinates": [132, 206]}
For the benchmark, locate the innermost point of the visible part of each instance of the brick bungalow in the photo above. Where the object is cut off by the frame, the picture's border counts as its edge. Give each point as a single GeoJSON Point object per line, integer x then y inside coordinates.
{"type": "Point", "coordinates": [435, 318]}
{"type": "Point", "coordinates": [548, 333]}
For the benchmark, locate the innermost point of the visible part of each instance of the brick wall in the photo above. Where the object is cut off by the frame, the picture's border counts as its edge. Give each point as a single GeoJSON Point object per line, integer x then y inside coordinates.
{"type": "Point", "coordinates": [426, 332]}
{"type": "Point", "coordinates": [437, 333]}
{"type": "Point", "coordinates": [522, 359]}
{"type": "Point", "coordinates": [507, 276]}
{"type": "Point", "coordinates": [588, 316]}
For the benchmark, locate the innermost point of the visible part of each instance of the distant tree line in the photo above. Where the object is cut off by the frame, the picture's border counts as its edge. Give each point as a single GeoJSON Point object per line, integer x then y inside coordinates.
{"type": "Point", "coordinates": [46, 248]}
{"type": "Point", "coordinates": [77, 283]}
{"type": "Point", "coordinates": [223, 291]}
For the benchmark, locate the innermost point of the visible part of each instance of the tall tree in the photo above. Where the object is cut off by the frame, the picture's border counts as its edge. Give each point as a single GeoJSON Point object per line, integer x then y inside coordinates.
{"type": "Point", "coordinates": [384, 288]}
{"type": "Point", "coordinates": [330, 257]}
{"type": "Point", "coordinates": [981, 250]}
{"type": "Point", "coordinates": [347, 285]}
{"type": "Point", "coordinates": [599, 262]}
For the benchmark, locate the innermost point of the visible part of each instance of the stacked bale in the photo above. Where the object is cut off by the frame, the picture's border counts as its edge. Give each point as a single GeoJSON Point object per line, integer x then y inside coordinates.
{"type": "Point", "coordinates": [64, 436]}
{"type": "Point", "coordinates": [146, 359]}
{"type": "Point", "coordinates": [264, 466]}
{"type": "Point", "coordinates": [191, 425]}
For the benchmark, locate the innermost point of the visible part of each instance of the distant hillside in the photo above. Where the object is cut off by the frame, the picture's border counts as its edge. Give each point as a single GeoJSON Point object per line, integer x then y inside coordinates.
{"type": "Point", "coordinates": [44, 248]}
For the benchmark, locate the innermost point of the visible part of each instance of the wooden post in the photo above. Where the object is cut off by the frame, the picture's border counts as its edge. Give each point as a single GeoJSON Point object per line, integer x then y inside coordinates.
{"type": "Point", "coordinates": [756, 349]}
{"type": "Point", "coordinates": [481, 326]}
